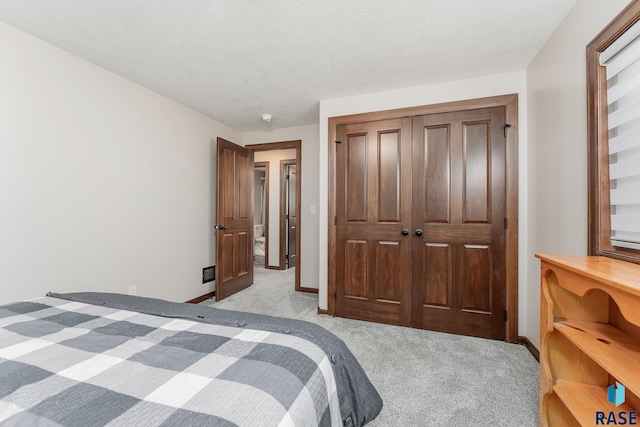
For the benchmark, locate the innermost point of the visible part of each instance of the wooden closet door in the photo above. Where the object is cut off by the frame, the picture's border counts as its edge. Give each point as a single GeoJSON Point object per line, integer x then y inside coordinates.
{"type": "Point", "coordinates": [459, 208]}
{"type": "Point", "coordinates": [373, 193]}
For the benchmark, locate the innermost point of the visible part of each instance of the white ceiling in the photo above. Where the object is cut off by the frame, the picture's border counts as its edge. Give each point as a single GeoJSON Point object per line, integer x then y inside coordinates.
{"type": "Point", "coordinates": [236, 59]}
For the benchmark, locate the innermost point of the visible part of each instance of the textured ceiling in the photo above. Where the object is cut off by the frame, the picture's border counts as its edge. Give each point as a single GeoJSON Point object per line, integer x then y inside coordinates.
{"type": "Point", "coordinates": [236, 59]}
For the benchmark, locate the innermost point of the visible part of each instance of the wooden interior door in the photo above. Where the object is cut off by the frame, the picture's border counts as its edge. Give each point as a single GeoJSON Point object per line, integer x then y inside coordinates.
{"type": "Point", "coordinates": [373, 193]}
{"type": "Point", "coordinates": [291, 216]}
{"type": "Point", "coordinates": [234, 217]}
{"type": "Point", "coordinates": [459, 218]}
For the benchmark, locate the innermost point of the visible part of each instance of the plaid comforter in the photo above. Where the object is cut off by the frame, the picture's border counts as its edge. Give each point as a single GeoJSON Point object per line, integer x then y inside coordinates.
{"type": "Point", "coordinates": [74, 363]}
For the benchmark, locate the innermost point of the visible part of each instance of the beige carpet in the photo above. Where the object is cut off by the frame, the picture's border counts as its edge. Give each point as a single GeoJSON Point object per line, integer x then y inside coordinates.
{"type": "Point", "coordinates": [425, 378]}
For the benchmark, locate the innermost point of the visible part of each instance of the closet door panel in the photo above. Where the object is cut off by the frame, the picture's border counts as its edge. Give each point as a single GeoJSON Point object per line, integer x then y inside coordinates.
{"type": "Point", "coordinates": [436, 264]}
{"type": "Point", "coordinates": [475, 278]}
{"type": "Point", "coordinates": [387, 281]}
{"type": "Point", "coordinates": [356, 178]}
{"type": "Point", "coordinates": [389, 198]}
{"type": "Point", "coordinates": [437, 180]}
{"type": "Point", "coordinates": [472, 167]}
{"type": "Point", "coordinates": [355, 283]}
{"type": "Point", "coordinates": [476, 167]}
{"type": "Point", "coordinates": [373, 191]}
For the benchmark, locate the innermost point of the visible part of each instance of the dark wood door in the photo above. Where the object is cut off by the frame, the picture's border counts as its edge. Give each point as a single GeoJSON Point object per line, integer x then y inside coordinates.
{"type": "Point", "coordinates": [459, 206]}
{"type": "Point", "coordinates": [373, 193]}
{"type": "Point", "coordinates": [234, 217]}
{"type": "Point", "coordinates": [292, 220]}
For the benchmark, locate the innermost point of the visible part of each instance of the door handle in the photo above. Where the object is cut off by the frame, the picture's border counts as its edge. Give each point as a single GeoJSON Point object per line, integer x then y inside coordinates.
{"type": "Point", "coordinates": [220, 227]}
{"type": "Point", "coordinates": [418, 232]}
{"type": "Point", "coordinates": [405, 232]}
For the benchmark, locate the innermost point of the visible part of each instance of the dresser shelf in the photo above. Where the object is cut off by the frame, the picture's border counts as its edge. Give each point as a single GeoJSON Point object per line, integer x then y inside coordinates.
{"type": "Point", "coordinates": [615, 351]}
{"type": "Point", "coordinates": [583, 400]}
{"type": "Point", "coordinates": [589, 337]}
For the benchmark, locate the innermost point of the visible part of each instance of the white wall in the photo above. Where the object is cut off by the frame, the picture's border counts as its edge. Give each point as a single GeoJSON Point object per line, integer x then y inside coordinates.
{"type": "Point", "coordinates": [274, 157]}
{"type": "Point", "coordinates": [480, 87]}
{"type": "Point", "coordinates": [557, 139]}
{"type": "Point", "coordinates": [103, 184]}
{"type": "Point", "coordinates": [309, 199]}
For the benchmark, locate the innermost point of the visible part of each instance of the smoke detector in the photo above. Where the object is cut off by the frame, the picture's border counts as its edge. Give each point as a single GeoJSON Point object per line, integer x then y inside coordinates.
{"type": "Point", "coordinates": [267, 117]}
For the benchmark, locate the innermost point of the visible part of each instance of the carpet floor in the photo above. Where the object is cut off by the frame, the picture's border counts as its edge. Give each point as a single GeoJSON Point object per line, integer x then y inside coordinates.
{"type": "Point", "coordinates": [425, 378]}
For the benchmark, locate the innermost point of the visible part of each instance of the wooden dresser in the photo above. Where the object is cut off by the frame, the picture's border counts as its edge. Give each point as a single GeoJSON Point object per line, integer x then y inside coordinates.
{"type": "Point", "coordinates": [589, 339]}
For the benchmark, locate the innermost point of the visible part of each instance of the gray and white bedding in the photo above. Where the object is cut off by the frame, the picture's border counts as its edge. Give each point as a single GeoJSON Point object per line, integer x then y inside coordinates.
{"type": "Point", "coordinates": [94, 359]}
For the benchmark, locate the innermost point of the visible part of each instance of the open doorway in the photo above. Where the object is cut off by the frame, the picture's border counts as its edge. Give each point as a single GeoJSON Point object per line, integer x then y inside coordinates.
{"type": "Point", "coordinates": [261, 213]}
{"type": "Point", "coordinates": [280, 225]}
{"type": "Point", "coordinates": [289, 216]}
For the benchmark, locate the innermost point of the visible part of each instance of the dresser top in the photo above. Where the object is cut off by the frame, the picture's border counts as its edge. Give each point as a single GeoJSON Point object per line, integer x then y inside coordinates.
{"type": "Point", "coordinates": [615, 273]}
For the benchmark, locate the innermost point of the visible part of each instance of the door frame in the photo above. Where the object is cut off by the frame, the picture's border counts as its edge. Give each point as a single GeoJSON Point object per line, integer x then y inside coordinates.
{"type": "Point", "coordinates": [297, 144]}
{"type": "Point", "coordinates": [510, 102]}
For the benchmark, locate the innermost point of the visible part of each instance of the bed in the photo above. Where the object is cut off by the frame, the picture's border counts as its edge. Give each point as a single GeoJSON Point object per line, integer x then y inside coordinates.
{"type": "Point", "coordinates": [93, 359]}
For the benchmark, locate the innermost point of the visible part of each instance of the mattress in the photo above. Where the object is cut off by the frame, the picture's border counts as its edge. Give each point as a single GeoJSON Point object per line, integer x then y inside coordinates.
{"type": "Point", "coordinates": [107, 359]}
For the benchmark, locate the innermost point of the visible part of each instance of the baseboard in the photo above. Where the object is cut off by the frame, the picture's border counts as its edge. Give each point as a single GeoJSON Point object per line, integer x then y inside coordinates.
{"type": "Point", "coordinates": [321, 311]}
{"type": "Point", "coordinates": [201, 298]}
{"type": "Point", "coordinates": [272, 267]}
{"type": "Point", "coordinates": [308, 290]}
{"type": "Point", "coordinates": [532, 348]}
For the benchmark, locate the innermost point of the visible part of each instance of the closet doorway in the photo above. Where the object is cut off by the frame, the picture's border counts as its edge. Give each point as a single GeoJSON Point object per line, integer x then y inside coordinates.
{"type": "Point", "coordinates": [289, 219]}
{"type": "Point", "coordinates": [282, 199]}
{"type": "Point", "coordinates": [423, 217]}
{"type": "Point", "coordinates": [261, 213]}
